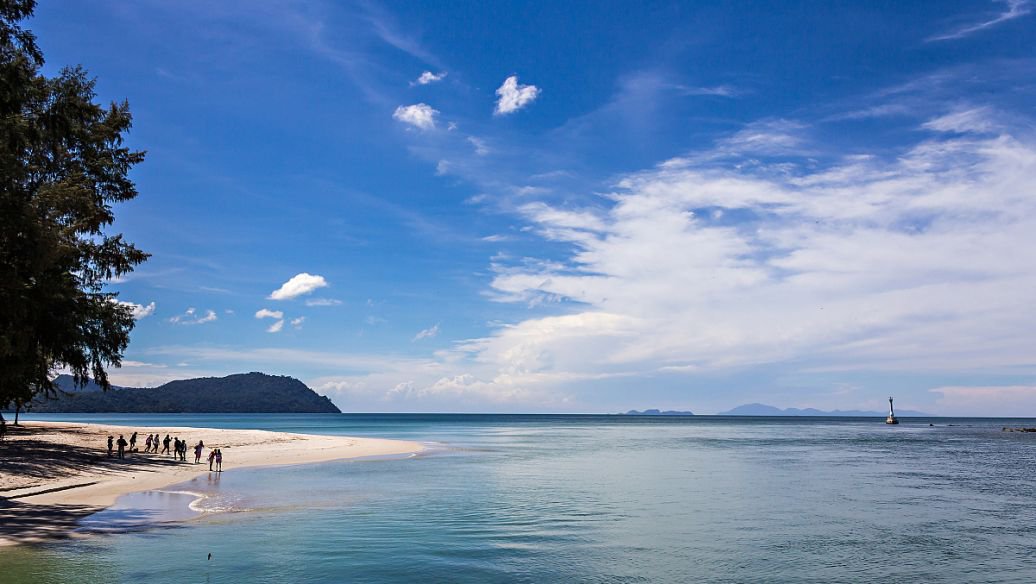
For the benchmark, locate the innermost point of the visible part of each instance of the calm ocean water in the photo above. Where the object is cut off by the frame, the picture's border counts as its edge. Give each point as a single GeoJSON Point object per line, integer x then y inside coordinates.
{"type": "Point", "coordinates": [585, 499]}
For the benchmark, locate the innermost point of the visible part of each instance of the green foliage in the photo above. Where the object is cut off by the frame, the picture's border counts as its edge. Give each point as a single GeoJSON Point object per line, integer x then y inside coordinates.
{"type": "Point", "coordinates": [242, 393]}
{"type": "Point", "coordinates": [62, 167]}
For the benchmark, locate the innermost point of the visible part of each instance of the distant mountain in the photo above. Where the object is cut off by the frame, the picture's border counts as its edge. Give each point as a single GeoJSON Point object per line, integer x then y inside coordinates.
{"type": "Point", "coordinates": [241, 393]}
{"type": "Point", "coordinates": [654, 412]}
{"type": "Point", "coordinates": [765, 410]}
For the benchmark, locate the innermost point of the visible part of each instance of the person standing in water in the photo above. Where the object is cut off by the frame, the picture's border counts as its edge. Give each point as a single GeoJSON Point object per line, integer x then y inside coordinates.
{"type": "Point", "coordinates": [212, 458]}
{"type": "Point", "coordinates": [219, 460]}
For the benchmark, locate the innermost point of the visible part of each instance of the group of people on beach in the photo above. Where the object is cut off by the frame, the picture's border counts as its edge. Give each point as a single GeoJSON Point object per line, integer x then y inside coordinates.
{"type": "Point", "coordinates": [154, 441]}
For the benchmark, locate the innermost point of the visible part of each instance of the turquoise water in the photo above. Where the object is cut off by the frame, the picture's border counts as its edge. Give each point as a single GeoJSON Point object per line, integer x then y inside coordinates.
{"type": "Point", "coordinates": [585, 499]}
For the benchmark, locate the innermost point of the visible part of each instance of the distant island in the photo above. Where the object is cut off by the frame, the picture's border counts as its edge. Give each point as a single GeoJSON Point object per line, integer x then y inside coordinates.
{"type": "Point", "coordinates": [654, 412]}
{"type": "Point", "coordinates": [251, 393]}
{"type": "Point", "coordinates": [765, 410]}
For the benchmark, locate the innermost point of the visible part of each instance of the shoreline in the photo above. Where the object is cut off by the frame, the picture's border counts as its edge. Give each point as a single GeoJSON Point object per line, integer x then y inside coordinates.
{"type": "Point", "coordinates": [53, 474]}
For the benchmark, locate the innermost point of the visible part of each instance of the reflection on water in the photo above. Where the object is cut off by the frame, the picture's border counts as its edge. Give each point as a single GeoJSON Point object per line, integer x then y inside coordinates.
{"type": "Point", "coordinates": [598, 499]}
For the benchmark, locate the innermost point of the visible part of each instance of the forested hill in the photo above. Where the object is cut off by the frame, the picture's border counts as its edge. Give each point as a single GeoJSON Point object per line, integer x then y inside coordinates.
{"type": "Point", "coordinates": [241, 393]}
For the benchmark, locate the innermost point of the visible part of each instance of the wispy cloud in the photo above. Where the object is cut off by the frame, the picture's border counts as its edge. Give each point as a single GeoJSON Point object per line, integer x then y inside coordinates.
{"type": "Point", "coordinates": [191, 316]}
{"type": "Point", "coordinates": [299, 285]}
{"type": "Point", "coordinates": [323, 302]}
{"type": "Point", "coordinates": [419, 115]}
{"type": "Point", "coordinates": [427, 333]}
{"type": "Point", "coordinates": [276, 327]}
{"type": "Point", "coordinates": [1015, 9]}
{"type": "Point", "coordinates": [479, 144]}
{"type": "Point", "coordinates": [513, 97]}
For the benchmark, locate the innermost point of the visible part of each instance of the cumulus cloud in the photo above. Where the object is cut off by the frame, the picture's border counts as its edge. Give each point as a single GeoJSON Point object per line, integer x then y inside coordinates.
{"type": "Point", "coordinates": [429, 77]}
{"type": "Point", "coordinates": [420, 115]}
{"type": "Point", "coordinates": [266, 313]}
{"type": "Point", "coordinates": [191, 316]}
{"type": "Point", "coordinates": [513, 97]}
{"type": "Point", "coordinates": [427, 333]}
{"type": "Point", "coordinates": [298, 285]}
{"type": "Point", "coordinates": [138, 311]}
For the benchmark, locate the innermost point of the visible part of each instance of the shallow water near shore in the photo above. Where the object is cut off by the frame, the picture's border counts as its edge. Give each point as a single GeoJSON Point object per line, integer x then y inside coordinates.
{"type": "Point", "coordinates": [581, 498]}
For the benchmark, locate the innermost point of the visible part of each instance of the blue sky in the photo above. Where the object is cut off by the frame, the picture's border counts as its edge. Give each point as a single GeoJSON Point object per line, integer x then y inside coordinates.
{"type": "Point", "coordinates": [582, 207]}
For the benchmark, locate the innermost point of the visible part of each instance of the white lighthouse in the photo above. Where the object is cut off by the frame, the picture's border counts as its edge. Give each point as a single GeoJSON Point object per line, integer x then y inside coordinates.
{"type": "Point", "coordinates": [892, 414]}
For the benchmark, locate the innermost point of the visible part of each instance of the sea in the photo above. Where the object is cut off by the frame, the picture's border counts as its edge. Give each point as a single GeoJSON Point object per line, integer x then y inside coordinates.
{"type": "Point", "coordinates": [565, 498]}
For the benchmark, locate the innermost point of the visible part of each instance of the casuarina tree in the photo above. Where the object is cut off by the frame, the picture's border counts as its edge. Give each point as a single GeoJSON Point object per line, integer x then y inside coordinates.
{"type": "Point", "coordinates": [63, 165]}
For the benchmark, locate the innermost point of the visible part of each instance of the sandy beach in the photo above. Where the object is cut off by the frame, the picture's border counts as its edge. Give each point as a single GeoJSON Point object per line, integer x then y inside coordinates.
{"type": "Point", "coordinates": [54, 473]}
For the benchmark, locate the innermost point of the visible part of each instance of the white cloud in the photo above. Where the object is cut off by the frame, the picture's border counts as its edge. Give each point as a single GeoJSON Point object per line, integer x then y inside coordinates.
{"type": "Point", "coordinates": [419, 115]}
{"type": "Point", "coordinates": [191, 316]}
{"type": "Point", "coordinates": [266, 313]}
{"type": "Point", "coordinates": [429, 77]}
{"type": "Point", "coordinates": [427, 333]}
{"type": "Point", "coordinates": [442, 167]}
{"type": "Point", "coordinates": [1015, 9]}
{"type": "Point", "coordinates": [323, 302]}
{"type": "Point", "coordinates": [480, 146]}
{"type": "Point", "coordinates": [912, 263]}
{"type": "Point", "coordinates": [276, 327]}
{"type": "Point", "coordinates": [979, 120]}
{"type": "Point", "coordinates": [138, 311]}
{"type": "Point", "coordinates": [765, 137]}
{"type": "Point", "coordinates": [513, 97]}
{"type": "Point", "coordinates": [298, 285]}
{"type": "Point", "coordinates": [297, 322]}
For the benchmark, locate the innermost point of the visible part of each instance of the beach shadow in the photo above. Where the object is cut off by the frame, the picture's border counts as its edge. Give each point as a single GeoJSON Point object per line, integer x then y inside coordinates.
{"type": "Point", "coordinates": [25, 522]}
{"type": "Point", "coordinates": [23, 453]}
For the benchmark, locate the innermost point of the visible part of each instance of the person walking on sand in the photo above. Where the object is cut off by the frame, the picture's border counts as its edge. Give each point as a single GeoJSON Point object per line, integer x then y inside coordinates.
{"type": "Point", "coordinates": [212, 458]}
{"type": "Point", "coordinates": [147, 444]}
{"type": "Point", "coordinates": [122, 446]}
{"type": "Point", "coordinates": [197, 451]}
{"type": "Point", "coordinates": [111, 446]}
{"type": "Point", "coordinates": [165, 444]}
{"type": "Point", "coordinates": [219, 460]}
{"type": "Point", "coordinates": [133, 442]}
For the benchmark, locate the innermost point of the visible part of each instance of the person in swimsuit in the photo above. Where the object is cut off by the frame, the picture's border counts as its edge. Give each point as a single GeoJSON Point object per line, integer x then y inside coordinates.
{"type": "Point", "coordinates": [197, 451]}
{"type": "Point", "coordinates": [219, 460]}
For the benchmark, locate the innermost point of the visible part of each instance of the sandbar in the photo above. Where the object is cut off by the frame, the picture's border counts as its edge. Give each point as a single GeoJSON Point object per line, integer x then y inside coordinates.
{"type": "Point", "coordinates": [52, 474]}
